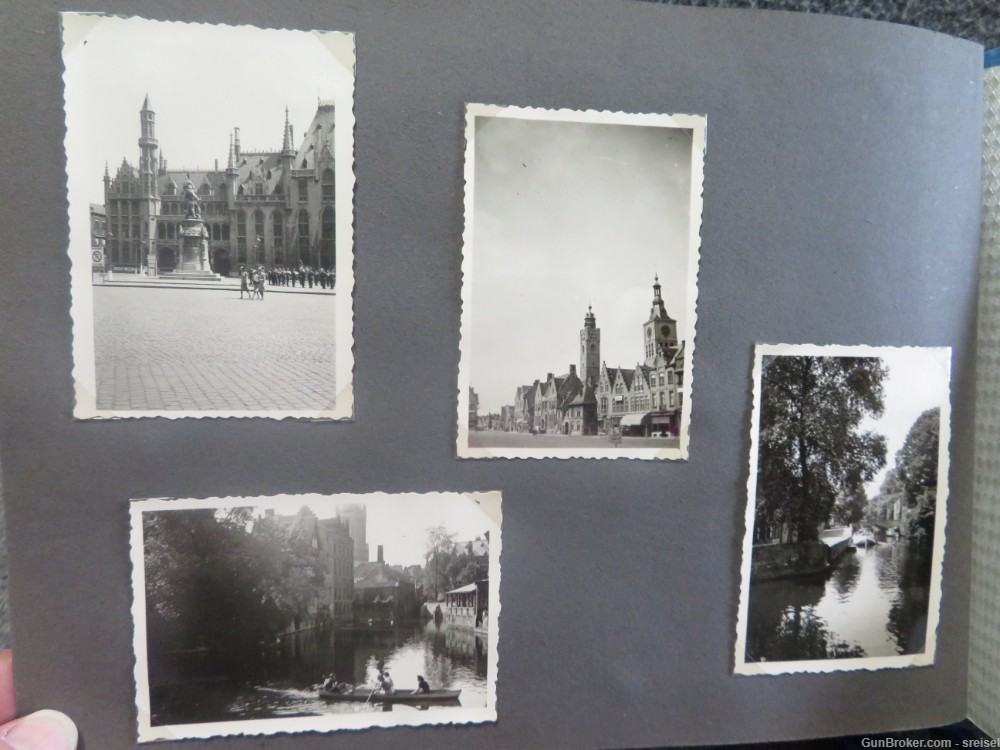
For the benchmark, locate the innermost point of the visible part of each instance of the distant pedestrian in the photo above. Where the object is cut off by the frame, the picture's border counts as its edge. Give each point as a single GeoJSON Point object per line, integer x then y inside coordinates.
{"type": "Point", "coordinates": [244, 282]}
{"type": "Point", "coordinates": [258, 283]}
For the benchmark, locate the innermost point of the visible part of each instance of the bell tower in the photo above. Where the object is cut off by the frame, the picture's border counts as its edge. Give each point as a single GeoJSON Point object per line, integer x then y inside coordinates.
{"type": "Point", "coordinates": [660, 331]}
{"type": "Point", "coordinates": [590, 349]}
{"type": "Point", "coordinates": [148, 169]}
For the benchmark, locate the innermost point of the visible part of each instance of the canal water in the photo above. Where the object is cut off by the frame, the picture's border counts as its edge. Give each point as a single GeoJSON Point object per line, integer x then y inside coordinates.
{"type": "Point", "coordinates": [288, 671]}
{"type": "Point", "coordinates": [873, 603]}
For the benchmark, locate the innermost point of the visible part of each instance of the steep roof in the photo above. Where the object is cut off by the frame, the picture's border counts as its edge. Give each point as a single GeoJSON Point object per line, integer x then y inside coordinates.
{"type": "Point", "coordinates": [374, 574]}
{"type": "Point", "coordinates": [317, 142]}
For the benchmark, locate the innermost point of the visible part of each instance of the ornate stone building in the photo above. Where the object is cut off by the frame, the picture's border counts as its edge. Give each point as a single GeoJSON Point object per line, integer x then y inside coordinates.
{"type": "Point", "coordinates": [272, 208]}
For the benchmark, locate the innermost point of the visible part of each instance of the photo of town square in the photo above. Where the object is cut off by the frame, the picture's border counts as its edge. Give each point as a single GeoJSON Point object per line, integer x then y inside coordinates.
{"type": "Point", "coordinates": [579, 284]}
{"type": "Point", "coordinates": [314, 612]}
{"type": "Point", "coordinates": [845, 522]}
{"type": "Point", "coordinates": [199, 201]}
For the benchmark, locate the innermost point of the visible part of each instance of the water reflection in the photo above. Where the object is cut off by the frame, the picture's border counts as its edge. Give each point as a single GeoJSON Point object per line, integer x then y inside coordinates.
{"type": "Point", "coordinates": [283, 681]}
{"type": "Point", "coordinates": [873, 603]}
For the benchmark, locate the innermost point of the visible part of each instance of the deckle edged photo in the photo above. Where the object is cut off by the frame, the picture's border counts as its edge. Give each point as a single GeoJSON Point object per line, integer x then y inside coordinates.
{"type": "Point", "coordinates": [210, 186]}
{"type": "Point", "coordinates": [846, 505]}
{"type": "Point", "coordinates": [310, 613]}
{"type": "Point", "coordinates": [580, 265]}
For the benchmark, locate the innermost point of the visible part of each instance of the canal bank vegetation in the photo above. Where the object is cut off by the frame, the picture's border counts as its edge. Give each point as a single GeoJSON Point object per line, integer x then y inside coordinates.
{"type": "Point", "coordinates": [906, 501]}
{"type": "Point", "coordinates": [816, 457]}
{"type": "Point", "coordinates": [450, 565]}
{"type": "Point", "coordinates": [812, 450]}
{"type": "Point", "coordinates": [219, 584]}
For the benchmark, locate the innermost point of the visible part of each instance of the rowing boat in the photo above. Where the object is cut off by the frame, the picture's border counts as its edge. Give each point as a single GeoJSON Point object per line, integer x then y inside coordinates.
{"type": "Point", "coordinates": [367, 695]}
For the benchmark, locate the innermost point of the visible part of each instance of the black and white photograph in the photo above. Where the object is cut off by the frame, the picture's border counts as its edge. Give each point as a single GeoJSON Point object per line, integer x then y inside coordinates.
{"type": "Point", "coordinates": [580, 265]}
{"type": "Point", "coordinates": [846, 509]}
{"type": "Point", "coordinates": [210, 184]}
{"type": "Point", "coordinates": [314, 613]}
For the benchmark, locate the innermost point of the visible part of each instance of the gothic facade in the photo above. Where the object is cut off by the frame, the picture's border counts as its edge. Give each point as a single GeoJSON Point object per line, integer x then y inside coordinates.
{"type": "Point", "coordinates": [271, 208]}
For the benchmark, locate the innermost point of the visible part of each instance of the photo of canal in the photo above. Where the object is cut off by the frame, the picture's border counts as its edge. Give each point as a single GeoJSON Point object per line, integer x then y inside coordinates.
{"type": "Point", "coordinates": [846, 506]}
{"type": "Point", "coordinates": [314, 613]}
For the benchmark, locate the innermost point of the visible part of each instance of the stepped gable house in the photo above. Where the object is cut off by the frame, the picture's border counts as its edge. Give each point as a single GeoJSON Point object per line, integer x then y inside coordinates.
{"type": "Point", "coordinates": [272, 208]}
{"type": "Point", "coordinates": [597, 399]}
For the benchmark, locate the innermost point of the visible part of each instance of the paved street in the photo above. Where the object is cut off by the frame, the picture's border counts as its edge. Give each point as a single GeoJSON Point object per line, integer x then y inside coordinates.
{"type": "Point", "coordinates": [190, 349]}
{"type": "Point", "coordinates": [524, 440]}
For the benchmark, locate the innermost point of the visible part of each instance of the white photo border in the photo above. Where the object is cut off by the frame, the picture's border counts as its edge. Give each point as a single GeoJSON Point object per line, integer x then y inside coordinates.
{"type": "Point", "coordinates": [698, 125]}
{"type": "Point", "coordinates": [924, 658]}
{"type": "Point", "coordinates": [75, 27]}
{"type": "Point", "coordinates": [489, 504]}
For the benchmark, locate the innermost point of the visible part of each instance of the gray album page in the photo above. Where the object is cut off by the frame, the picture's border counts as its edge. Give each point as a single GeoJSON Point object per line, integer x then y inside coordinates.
{"type": "Point", "coordinates": [840, 206]}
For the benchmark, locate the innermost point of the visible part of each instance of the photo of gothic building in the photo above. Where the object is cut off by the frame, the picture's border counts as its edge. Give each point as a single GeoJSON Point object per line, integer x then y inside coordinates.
{"type": "Point", "coordinates": [274, 208]}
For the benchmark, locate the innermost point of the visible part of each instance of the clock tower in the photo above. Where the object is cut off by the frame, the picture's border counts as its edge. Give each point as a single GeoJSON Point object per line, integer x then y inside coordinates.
{"type": "Point", "coordinates": [660, 331]}
{"type": "Point", "coordinates": [590, 349]}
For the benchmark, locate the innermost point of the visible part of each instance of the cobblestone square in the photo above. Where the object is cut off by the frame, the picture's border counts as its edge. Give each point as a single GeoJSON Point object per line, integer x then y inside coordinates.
{"type": "Point", "coordinates": [208, 350]}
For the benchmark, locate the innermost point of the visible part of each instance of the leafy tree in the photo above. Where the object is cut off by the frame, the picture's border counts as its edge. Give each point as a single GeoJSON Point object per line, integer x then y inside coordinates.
{"type": "Point", "coordinates": [438, 554]}
{"type": "Point", "coordinates": [812, 448]}
{"type": "Point", "coordinates": [917, 468]}
{"type": "Point", "coordinates": [220, 580]}
{"type": "Point", "coordinates": [850, 507]}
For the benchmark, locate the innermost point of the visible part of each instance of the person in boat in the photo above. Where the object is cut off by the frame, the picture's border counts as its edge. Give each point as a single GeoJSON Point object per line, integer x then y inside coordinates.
{"type": "Point", "coordinates": [386, 682]}
{"type": "Point", "coordinates": [422, 686]}
{"type": "Point", "coordinates": [330, 683]}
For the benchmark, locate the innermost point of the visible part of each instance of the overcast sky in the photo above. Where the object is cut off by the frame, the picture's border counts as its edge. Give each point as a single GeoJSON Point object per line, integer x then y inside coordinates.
{"type": "Point", "coordinates": [567, 214]}
{"type": "Point", "coordinates": [202, 81]}
{"type": "Point", "coordinates": [400, 522]}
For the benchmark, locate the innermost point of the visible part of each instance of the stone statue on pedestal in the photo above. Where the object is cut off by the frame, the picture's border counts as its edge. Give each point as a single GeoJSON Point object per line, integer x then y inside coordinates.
{"type": "Point", "coordinates": [192, 203]}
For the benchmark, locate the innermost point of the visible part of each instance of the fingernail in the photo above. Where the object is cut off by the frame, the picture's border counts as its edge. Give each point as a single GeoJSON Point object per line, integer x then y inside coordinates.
{"type": "Point", "coordinates": [42, 730]}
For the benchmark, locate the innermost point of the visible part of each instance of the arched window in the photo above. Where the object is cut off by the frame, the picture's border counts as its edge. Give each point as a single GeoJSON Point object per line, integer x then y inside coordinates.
{"type": "Point", "coordinates": [171, 188]}
{"type": "Point", "coordinates": [241, 237]}
{"type": "Point", "coordinates": [216, 233]}
{"type": "Point", "coordinates": [258, 187]}
{"type": "Point", "coordinates": [205, 189]}
{"type": "Point", "coordinates": [240, 191]}
{"type": "Point", "coordinates": [303, 235]}
{"type": "Point", "coordinates": [328, 243]}
{"type": "Point", "coordinates": [278, 226]}
{"type": "Point", "coordinates": [225, 233]}
{"type": "Point", "coordinates": [328, 185]}
{"type": "Point", "coordinates": [258, 232]}
{"type": "Point", "coordinates": [161, 230]}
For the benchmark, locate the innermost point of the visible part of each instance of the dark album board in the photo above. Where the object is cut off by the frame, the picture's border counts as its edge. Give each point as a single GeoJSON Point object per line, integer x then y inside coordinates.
{"type": "Point", "coordinates": [327, 226]}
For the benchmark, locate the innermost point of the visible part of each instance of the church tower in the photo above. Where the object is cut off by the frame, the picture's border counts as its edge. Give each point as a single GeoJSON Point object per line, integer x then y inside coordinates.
{"type": "Point", "coordinates": [660, 331]}
{"type": "Point", "coordinates": [590, 349]}
{"type": "Point", "coordinates": [149, 204]}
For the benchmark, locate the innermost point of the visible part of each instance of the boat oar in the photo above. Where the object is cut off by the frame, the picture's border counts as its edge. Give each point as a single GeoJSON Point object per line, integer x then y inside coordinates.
{"type": "Point", "coordinates": [371, 695]}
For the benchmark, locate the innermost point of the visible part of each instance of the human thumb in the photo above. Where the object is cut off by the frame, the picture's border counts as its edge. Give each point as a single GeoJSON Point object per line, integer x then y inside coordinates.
{"type": "Point", "coordinates": [42, 730]}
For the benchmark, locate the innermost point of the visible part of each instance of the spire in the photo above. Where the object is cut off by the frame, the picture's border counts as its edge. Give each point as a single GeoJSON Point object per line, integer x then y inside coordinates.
{"type": "Point", "coordinates": [286, 142]}
{"type": "Point", "coordinates": [229, 164]}
{"type": "Point", "coordinates": [145, 104]}
{"type": "Point", "coordinates": [656, 288]}
{"type": "Point", "coordinates": [590, 320]}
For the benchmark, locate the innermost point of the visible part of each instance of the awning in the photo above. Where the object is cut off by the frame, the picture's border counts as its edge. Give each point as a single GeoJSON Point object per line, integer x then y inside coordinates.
{"type": "Point", "coordinates": [662, 418]}
{"type": "Point", "coordinates": [467, 589]}
{"type": "Point", "coordinates": [633, 419]}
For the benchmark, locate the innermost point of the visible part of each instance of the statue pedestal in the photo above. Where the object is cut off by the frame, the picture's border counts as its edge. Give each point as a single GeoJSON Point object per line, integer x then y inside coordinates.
{"type": "Point", "coordinates": [194, 246]}
{"type": "Point", "coordinates": [192, 260]}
